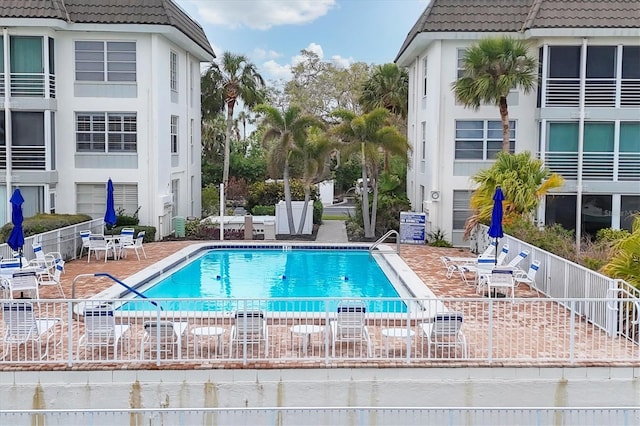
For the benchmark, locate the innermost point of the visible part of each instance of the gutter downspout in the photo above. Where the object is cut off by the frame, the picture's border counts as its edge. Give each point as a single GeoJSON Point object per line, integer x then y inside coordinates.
{"type": "Point", "coordinates": [7, 118]}
{"type": "Point", "coordinates": [579, 189]}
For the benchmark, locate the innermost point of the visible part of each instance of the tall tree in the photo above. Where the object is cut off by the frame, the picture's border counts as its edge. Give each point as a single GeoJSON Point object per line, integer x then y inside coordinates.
{"type": "Point", "coordinates": [314, 153]}
{"type": "Point", "coordinates": [226, 82]}
{"type": "Point", "coordinates": [492, 68]}
{"type": "Point", "coordinates": [288, 129]}
{"type": "Point", "coordinates": [369, 135]}
{"type": "Point", "coordinates": [387, 87]}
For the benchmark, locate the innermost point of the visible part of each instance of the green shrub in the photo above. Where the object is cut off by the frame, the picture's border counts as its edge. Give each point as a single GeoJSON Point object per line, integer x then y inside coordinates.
{"type": "Point", "coordinates": [264, 210]}
{"type": "Point", "coordinates": [438, 238]}
{"type": "Point", "coordinates": [43, 222]}
{"type": "Point", "coordinates": [554, 239]}
{"type": "Point", "coordinates": [123, 219]}
{"type": "Point", "coordinates": [210, 200]}
{"type": "Point", "coordinates": [149, 232]}
{"type": "Point", "coordinates": [318, 209]}
{"type": "Point", "coordinates": [612, 235]}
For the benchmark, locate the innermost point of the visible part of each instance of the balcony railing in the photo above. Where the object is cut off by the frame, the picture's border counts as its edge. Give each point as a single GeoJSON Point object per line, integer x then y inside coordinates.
{"type": "Point", "coordinates": [24, 157]}
{"type": "Point", "coordinates": [599, 92]}
{"type": "Point", "coordinates": [30, 85]}
{"type": "Point", "coordinates": [601, 166]}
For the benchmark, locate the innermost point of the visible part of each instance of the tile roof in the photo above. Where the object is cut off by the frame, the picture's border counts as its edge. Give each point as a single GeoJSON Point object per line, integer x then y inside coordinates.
{"type": "Point", "coordinates": [153, 12]}
{"type": "Point", "coordinates": [522, 15]}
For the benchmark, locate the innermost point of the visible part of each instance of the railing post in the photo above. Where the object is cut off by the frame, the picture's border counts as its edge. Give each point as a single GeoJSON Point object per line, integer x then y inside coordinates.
{"type": "Point", "coordinates": [408, 341]}
{"type": "Point", "coordinates": [70, 331]}
{"type": "Point", "coordinates": [490, 336]}
{"type": "Point", "coordinates": [572, 335]}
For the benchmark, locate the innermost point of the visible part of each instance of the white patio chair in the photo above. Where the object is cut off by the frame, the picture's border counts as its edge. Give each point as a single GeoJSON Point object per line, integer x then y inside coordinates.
{"type": "Point", "coordinates": [98, 244]}
{"type": "Point", "coordinates": [126, 236]}
{"type": "Point", "coordinates": [451, 262]}
{"type": "Point", "coordinates": [22, 327]}
{"type": "Point", "coordinates": [44, 262]}
{"type": "Point", "coordinates": [530, 277]}
{"type": "Point", "coordinates": [101, 330]}
{"type": "Point", "coordinates": [251, 328]}
{"type": "Point", "coordinates": [54, 280]}
{"type": "Point", "coordinates": [349, 325]}
{"type": "Point", "coordinates": [518, 259]}
{"type": "Point", "coordinates": [137, 245]}
{"type": "Point", "coordinates": [445, 331]}
{"type": "Point", "coordinates": [163, 336]}
{"type": "Point", "coordinates": [9, 266]}
{"type": "Point", "coordinates": [84, 235]}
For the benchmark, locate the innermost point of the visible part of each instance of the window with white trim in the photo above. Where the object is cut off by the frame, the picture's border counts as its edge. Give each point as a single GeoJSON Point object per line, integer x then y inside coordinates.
{"type": "Point", "coordinates": [460, 64]}
{"type": "Point", "coordinates": [173, 71]}
{"type": "Point", "coordinates": [424, 140]}
{"type": "Point", "coordinates": [108, 61]}
{"type": "Point", "coordinates": [461, 209]}
{"type": "Point", "coordinates": [174, 134]}
{"type": "Point", "coordinates": [481, 139]}
{"type": "Point", "coordinates": [106, 132]}
{"type": "Point", "coordinates": [91, 200]}
{"type": "Point", "coordinates": [424, 77]}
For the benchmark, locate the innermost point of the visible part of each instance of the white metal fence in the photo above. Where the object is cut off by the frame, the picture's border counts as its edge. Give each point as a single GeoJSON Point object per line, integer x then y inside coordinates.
{"type": "Point", "coordinates": [526, 330]}
{"type": "Point", "coordinates": [282, 416]}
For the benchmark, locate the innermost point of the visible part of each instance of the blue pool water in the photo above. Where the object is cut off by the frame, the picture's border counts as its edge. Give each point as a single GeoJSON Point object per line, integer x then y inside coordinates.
{"type": "Point", "coordinates": [274, 274]}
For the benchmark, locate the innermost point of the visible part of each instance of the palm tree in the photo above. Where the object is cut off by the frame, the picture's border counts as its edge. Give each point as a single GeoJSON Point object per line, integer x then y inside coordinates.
{"type": "Point", "coordinates": [288, 129]}
{"type": "Point", "coordinates": [524, 181]}
{"type": "Point", "coordinates": [369, 135]}
{"type": "Point", "coordinates": [624, 263]}
{"type": "Point", "coordinates": [387, 87]}
{"type": "Point", "coordinates": [233, 78]}
{"type": "Point", "coordinates": [314, 153]}
{"type": "Point", "coordinates": [492, 68]}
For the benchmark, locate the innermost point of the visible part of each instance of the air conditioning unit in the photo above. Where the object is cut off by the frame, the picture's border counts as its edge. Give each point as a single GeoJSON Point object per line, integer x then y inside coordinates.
{"type": "Point", "coordinates": [434, 196]}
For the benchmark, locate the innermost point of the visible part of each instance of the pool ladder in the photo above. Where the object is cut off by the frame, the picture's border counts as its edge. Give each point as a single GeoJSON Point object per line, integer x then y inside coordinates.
{"type": "Point", "coordinates": [286, 247]}
{"type": "Point", "coordinates": [383, 238]}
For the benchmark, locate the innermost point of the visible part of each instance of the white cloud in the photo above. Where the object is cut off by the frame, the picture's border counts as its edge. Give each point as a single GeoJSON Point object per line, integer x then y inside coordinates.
{"type": "Point", "coordinates": [262, 54]}
{"type": "Point", "coordinates": [273, 71]}
{"type": "Point", "coordinates": [260, 14]}
{"type": "Point", "coordinates": [341, 62]}
{"type": "Point", "coordinates": [312, 47]}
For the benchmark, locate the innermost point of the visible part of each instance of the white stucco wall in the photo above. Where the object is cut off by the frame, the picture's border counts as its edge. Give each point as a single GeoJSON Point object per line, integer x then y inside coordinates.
{"type": "Point", "coordinates": [379, 387]}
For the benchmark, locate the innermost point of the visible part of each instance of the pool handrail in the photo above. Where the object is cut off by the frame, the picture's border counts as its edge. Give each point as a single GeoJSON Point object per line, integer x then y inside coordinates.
{"type": "Point", "coordinates": [384, 237]}
{"type": "Point", "coordinates": [104, 274]}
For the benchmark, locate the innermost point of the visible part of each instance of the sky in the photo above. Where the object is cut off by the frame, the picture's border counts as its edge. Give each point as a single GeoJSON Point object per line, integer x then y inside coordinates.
{"type": "Point", "coordinates": [271, 33]}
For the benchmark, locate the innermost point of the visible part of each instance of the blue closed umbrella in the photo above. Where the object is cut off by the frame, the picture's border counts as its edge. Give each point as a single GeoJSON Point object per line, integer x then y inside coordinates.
{"type": "Point", "coordinates": [110, 214]}
{"type": "Point", "coordinates": [16, 238]}
{"type": "Point", "coordinates": [495, 228]}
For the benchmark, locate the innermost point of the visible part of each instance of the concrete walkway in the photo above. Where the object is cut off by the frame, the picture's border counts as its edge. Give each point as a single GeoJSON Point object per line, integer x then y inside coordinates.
{"type": "Point", "coordinates": [332, 231]}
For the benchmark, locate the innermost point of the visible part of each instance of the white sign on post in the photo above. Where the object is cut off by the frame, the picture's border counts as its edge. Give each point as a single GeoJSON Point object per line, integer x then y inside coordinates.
{"type": "Point", "coordinates": [412, 227]}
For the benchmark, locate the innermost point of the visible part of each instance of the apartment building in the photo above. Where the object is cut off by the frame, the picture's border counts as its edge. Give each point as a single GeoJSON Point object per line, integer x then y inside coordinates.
{"type": "Point", "coordinates": [583, 119]}
{"type": "Point", "coordinates": [92, 90]}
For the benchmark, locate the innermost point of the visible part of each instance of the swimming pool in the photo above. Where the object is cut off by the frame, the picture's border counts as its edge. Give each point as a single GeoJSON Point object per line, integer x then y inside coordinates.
{"type": "Point", "coordinates": [274, 277]}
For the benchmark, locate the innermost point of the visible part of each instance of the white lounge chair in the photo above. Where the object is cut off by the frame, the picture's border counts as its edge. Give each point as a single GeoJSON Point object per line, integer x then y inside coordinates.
{"type": "Point", "coordinates": [349, 325]}
{"type": "Point", "coordinates": [530, 277]}
{"type": "Point", "coordinates": [101, 330]}
{"type": "Point", "coordinates": [44, 262]}
{"type": "Point", "coordinates": [22, 327]}
{"type": "Point", "coordinates": [84, 235]}
{"type": "Point", "coordinates": [251, 328]}
{"type": "Point", "coordinates": [445, 331]}
{"type": "Point", "coordinates": [451, 262]}
{"type": "Point", "coordinates": [163, 336]}
{"type": "Point", "coordinates": [518, 259]}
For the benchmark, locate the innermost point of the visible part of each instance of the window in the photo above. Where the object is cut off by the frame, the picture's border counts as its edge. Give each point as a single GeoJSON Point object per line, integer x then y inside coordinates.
{"type": "Point", "coordinates": [601, 62]}
{"type": "Point", "coordinates": [424, 77]}
{"type": "Point", "coordinates": [460, 66]}
{"type": "Point", "coordinates": [175, 199]}
{"type": "Point", "coordinates": [563, 137]}
{"type": "Point", "coordinates": [629, 206]}
{"type": "Point", "coordinates": [27, 128]}
{"type": "Point", "coordinates": [91, 200]}
{"type": "Point", "coordinates": [173, 71]}
{"type": "Point", "coordinates": [191, 146]}
{"type": "Point", "coordinates": [630, 61]}
{"type": "Point", "coordinates": [192, 77]}
{"type": "Point", "coordinates": [106, 132]}
{"type": "Point", "coordinates": [481, 140]}
{"type": "Point", "coordinates": [111, 61]}
{"type": "Point", "coordinates": [461, 209]}
{"type": "Point", "coordinates": [598, 137]}
{"type": "Point", "coordinates": [564, 62]}
{"type": "Point", "coordinates": [174, 134]}
{"type": "Point", "coordinates": [26, 55]}
{"type": "Point", "coordinates": [424, 139]}
{"type": "Point", "coordinates": [561, 209]}
{"type": "Point", "coordinates": [596, 213]}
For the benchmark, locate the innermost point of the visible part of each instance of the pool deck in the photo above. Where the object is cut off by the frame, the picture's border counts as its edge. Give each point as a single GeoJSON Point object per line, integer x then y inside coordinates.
{"type": "Point", "coordinates": [423, 260]}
